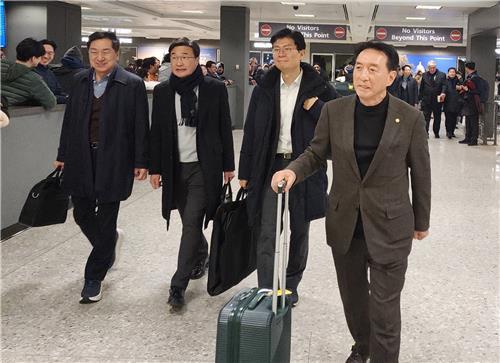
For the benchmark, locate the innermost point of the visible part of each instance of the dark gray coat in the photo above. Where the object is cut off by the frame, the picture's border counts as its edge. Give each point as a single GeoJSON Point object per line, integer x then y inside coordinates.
{"type": "Point", "coordinates": [453, 101]}
{"type": "Point", "coordinates": [214, 142]}
{"type": "Point", "coordinates": [411, 88]}
{"type": "Point", "coordinates": [123, 137]}
{"type": "Point", "coordinates": [389, 217]}
{"type": "Point", "coordinates": [431, 86]}
{"type": "Point", "coordinates": [260, 140]}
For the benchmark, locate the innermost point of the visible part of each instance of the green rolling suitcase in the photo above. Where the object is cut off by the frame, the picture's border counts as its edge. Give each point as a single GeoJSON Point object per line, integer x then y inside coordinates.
{"type": "Point", "coordinates": [255, 325]}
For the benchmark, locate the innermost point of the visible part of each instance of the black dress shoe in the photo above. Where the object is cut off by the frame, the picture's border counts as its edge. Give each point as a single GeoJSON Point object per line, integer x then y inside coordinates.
{"type": "Point", "coordinates": [472, 144]}
{"type": "Point", "coordinates": [464, 141]}
{"type": "Point", "coordinates": [357, 356]}
{"type": "Point", "coordinates": [176, 298]}
{"type": "Point", "coordinates": [294, 298]}
{"type": "Point", "coordinates": [448, 135]}
{"type": "Point", "coordinates": [199, 270]}
{"type": "Point", "coordinates": [436, 136]}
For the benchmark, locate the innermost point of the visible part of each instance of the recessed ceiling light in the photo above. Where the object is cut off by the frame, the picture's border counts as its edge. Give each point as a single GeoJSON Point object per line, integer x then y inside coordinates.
{"type": "Point", "coordinates": [123, 31]}
{"type": "Point", "coordinates": [86, 8]}
{"type": "Point", "coordinates": [415, 18]}
{"type": "Point", "coordinates": [292, 3]}
{"type": "Point", "coordinates": [305, 15]}
{"type": "Point", "coordinates": [193, 11]}
{"type": "Point", "coordinates": [428, 7]}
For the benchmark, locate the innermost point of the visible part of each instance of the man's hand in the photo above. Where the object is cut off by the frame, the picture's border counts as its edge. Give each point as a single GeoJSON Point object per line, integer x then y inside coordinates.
{"type": "Point", "coordinates": [286, 174]}
{"type": "Point", "coordinates": [420, 235]}
{"type": "Point", "coordinates": [58, 165]}
{"type": "Point", "coordinates": [243, 183]}
{"type": "Point", "coordinates": [140, 174]}
{"type": "Point", "coordinates": [155, 180]}
{"type": "Point", "coordinates": [309, 103]}
{"type": "Point", "coordinates": [228, 176]}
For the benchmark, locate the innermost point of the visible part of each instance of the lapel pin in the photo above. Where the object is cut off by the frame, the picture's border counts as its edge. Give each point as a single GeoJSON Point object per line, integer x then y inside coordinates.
{"type": "Point", "coordinates": [397, 120]}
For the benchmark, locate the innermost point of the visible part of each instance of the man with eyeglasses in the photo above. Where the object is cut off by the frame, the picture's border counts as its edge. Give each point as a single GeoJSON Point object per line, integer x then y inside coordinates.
{"type": "Point", "coordinates": [191, 154]}
{"type": "Point", "coordinates": [281, 119]}
{"type": "Point", "coordinates": [47, 74]}
{"type": "Point", "coordinates": [104, 144]}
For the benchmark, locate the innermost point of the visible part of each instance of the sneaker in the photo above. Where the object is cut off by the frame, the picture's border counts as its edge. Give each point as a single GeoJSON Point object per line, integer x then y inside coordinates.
{"type": "Point", "coordinates": [91, 292]}
{"type": "Point", "coordinates": [116, 253]}
{"type": "Point", "coordinates": [356, 356]}
{"type": "Point", "coordinates": [176, 298]}
{"type": "Point", "coordinates": [200, 269]}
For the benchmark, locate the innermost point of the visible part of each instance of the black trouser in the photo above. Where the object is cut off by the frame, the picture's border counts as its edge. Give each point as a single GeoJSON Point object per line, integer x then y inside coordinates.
{"type": "Point", "coordinates": [372, 308]}
{"type": "Point", "coordinates": [98, 223]}
{"type": "Point", "coordinates": [471, 128]}
{"type": "Point", "coordinates": [191, 203]}
{"type": "Point", "coordinates": [299, 236]}
{"type": "Point", "coordinates": [435, 110]}
{"type": "Point", "coordinates": [450, 122]}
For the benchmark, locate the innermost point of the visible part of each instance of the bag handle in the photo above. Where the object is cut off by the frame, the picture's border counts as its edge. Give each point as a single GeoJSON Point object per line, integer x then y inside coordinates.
{"type": "Point", "coordinates": [57, 174]}
{"type": "Point", "coordinates": [242, 194]}
{"type": "Point", "coordinates": [227, 193]}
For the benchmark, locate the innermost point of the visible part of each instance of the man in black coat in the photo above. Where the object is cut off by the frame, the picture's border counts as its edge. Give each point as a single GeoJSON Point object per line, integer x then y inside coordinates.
{"type": "Point", "coordinates": [282, 115]}
{"type": "Point", "coordinates": [452, 102]}
{"type": "Point", "coordinates": [104, 144]}
{"type": "Point", "coordinates": [407, 87]}
{"type": "Point", "coordinates": [191, 150]}
{"type": "Point", "coordinates": [432, 93]}
{"type": "Point", "coordinates": [47, 74]}
{"type": "Point", "coordinates": [471, 93]}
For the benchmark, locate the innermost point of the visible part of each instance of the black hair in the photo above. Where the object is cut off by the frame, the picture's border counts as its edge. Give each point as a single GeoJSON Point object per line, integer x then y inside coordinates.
{"type": "Point", "coordinates": [166, 58]}
{"type": "Point", "coordinates": [148, 62]}
{"type": "Point", "coordinates": [115, 43]}
{"type": "Point", "coordinates": [470, 65]}
{"type": "Point", "coordinates": [387, 49]}
{"type": "Point", "coordinates": [209, 64]}
{"type": "Point", "coordinates": [29, 48]}
{"type": "Point", "coordinates": [49, 42]}
{"type": "Point", "coordinates": [449, 69]}
{"type": "Point", "coordinates": [296, 36]}
{"type": "Point", "coordinates": [406, 65]}
{"type": "Point", "coordinates": [187, 43]}
{"type": "Point", "coordinates": [138, 62]}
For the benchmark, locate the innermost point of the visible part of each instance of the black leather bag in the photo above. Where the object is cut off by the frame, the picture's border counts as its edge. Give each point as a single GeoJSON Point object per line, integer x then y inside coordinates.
{"type": "Point", "coordinates": [232, 248]}
{"type": "Point", "coordinates": [46, 204]}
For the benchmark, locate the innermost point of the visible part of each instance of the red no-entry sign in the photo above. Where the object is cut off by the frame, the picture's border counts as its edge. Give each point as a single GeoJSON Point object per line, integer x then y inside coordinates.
{"type": "Point", "coordinates": [456, 35]}
{"type": "Point", "coordinates": [339, 32]}
{"type": "Point", "coordinates": [266, 30]}
{"type": "Point", "coordinates": [381, 33]}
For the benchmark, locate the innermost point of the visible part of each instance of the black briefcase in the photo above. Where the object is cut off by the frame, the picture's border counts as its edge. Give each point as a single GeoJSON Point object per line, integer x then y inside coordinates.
{"type": "Point", "coordinates": [46, 204]}
{"type": "Point", "coordinates": [232, 248]}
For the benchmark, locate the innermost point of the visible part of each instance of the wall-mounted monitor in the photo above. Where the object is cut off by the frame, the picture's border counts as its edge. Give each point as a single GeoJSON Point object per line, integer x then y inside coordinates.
{"type": "Point", "coordinates": [2, 25]}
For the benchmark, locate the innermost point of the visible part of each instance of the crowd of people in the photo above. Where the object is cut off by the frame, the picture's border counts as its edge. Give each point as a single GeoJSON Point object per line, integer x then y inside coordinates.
{"type": "Point", "coordinates": [296, 120]}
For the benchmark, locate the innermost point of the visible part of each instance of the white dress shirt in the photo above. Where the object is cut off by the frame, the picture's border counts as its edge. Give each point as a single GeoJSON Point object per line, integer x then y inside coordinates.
{"type": "Point", "coordinates": [186, 136]}
{"type": "Point", "coordinates": [288, 98]}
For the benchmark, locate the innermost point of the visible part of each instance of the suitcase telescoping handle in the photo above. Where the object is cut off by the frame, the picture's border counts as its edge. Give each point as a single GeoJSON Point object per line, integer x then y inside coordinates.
{"type": "Point", "coordinates": [281, 248]}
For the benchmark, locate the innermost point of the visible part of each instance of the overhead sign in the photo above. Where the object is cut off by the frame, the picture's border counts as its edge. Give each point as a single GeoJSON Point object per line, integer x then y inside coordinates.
{"type": "Point", "coordinates": [410, 34]}
{"type": "Point", "coordinates": [310, 31]}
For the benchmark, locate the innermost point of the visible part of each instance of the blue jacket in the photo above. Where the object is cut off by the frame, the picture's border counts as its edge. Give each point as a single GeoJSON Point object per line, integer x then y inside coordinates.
{"type": "Point", "coordinates": [50, 79]}
{"type": "Point", "coordinates": [261, 132]}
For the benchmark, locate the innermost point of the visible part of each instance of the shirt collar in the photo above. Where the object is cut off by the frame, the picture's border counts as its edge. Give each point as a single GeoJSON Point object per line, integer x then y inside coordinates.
{"type": "Point", "coordinates": [103, 79]}
{"type": "Point", "coordinates": [294, 83]}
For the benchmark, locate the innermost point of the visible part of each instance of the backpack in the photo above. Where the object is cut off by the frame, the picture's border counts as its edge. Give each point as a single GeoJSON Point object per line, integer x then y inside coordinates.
{"type": "Point", "coordinates": [483, 89]}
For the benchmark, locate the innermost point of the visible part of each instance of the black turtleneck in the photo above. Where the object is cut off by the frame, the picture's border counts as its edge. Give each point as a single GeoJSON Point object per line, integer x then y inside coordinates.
{"type": "Point", "coordinates": [369, 123]}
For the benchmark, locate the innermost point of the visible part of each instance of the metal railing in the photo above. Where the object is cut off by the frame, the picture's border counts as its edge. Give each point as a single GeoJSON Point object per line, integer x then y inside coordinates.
{"type": "Point", "coordinates": [489, 123]}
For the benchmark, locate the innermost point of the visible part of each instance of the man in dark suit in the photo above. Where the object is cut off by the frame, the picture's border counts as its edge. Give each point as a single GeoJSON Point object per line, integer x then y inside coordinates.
{"type": "Point", "coordinates": [281, 118]}
{"type": "Point", "coordinates": [408, 87]}
{"type": "Point", "coordinates": [191, 150]}
{"type": "Point", "coordinates": [104, 144]}
{"type": "Point", "coordinates": [373, 139]}
{"type": "Point", "coordinates": [432, 93]}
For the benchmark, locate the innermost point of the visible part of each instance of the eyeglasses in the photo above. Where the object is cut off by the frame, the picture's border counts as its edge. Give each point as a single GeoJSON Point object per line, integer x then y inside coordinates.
{"type": "Point", "coordinates": [104, 53]}
{"type": "Point", "coordinates": [285, 50]}
{"type": "Point", "coordinates": [181, 58]}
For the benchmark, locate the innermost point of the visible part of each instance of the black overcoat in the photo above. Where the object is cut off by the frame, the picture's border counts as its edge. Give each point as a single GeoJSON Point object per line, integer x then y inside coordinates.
{"type": "Point", "coordinates": [453, 101]}
{"type": "Point", "coordinates": [431, 86]}
{"type": "Point", "coordinates": [123, 137]}
{"type": "Point", "coordinates": [411, 88]}
{"type": "Point", "coordinates": [261, 132]}
{"type": "Point", "coordinates": [214, 141]}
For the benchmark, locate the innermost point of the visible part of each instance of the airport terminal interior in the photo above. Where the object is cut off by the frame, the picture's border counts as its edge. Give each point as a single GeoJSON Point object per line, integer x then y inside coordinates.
{"type": "Point", "coordinates": [450, 303]}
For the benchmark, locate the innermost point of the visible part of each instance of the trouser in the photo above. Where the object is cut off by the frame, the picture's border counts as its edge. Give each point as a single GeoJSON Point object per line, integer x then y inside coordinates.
{"type": "Point", "coordinates": [191, 203]}
{"type": "Point", "coordinates": [372, 308]}
{"type": "Point", "coordinates": [471, 128]}
{"type": "Point", "coordinates": [98, 223]}
{"type": "Point", "coordinates": [450, 122]}
{"type": "Point", "coordinates": [299, 235]}
{"type": "Point", "coordinates": [435, 110]}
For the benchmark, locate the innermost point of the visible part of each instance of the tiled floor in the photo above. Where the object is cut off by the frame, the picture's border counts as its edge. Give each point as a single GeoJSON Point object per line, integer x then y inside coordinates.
{"type": "Point", "coordinates": [450, 304]}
